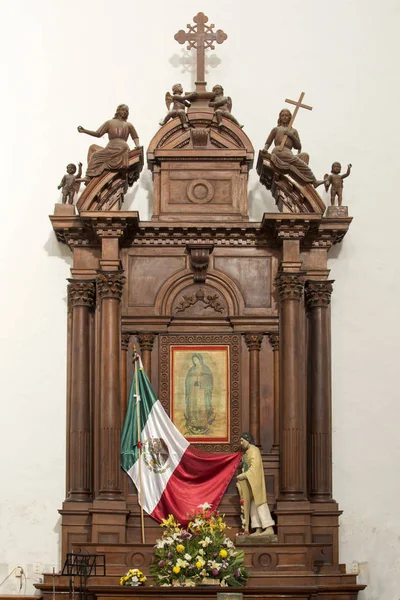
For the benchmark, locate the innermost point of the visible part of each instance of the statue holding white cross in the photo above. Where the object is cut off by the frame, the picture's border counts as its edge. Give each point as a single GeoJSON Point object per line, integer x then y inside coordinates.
{"type": "Point", "coordinates": [285, 139]}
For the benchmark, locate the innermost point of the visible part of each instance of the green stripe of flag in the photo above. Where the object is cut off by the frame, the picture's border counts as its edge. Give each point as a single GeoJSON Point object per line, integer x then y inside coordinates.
{"type": "Point", "coordinates": [129, 437]}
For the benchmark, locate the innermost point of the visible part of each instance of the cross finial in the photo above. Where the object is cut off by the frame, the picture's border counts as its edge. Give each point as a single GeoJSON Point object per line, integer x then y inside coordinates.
{"type": "Point", "coordinates": [200, 36]}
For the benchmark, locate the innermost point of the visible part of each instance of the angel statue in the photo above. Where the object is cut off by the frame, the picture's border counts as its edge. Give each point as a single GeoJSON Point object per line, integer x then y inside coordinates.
{"type": "Point", "coordinates": [179, 104]}
{"type": "Point", "coordinates": [70, 183]}
{"type": "Point", "coordinates": [222, 106]}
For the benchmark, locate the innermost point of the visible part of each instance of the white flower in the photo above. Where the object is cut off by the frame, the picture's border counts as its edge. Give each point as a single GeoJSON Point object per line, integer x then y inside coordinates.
{"type": "Point", "coordinates": [214, 565]}
{"type": "Point", "coordinates": [161, 543]}
{"type": "Point", "coordinates": [206, 542]}
{"type": "Point", "coordinates": [176, 536]}
{"type": "Point", "coordinates": [198, 523]}
{"type": "Point", "coordinates": [203, 573]}
{"type": "Point", "coordinates": [205, 506]}
{"type": "Point", "coordinates": [201, 552]}
{"type": "Point", "coordinates": [228, 543]}
{"type": "Point", "coordinates": [223, 583]}
{"type": "Point", "coordinates": [187, 557]}
{"type": "Point", "coordinates": [181, 563]}
{"type": "Point", "coordinates": [200, 560]}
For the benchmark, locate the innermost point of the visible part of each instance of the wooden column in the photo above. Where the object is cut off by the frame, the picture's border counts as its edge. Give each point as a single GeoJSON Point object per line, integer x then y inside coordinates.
{"type": "Point", "coordinates": [292, 406]}
{"type": "Point", "coordinates": [318, 297]}
{"type": "Point", "coordinates": [109, 286]}
{"type": "Point", "coordinates": [274, 341]}
{"type": "Point", "coordinates": [125, 338]}
{"type": "Point", "coordinates": [146, 341]}
{"type": "Point", "coordinates": [81, 297]}
{"type": "Point", "coordinates": [253, 342]}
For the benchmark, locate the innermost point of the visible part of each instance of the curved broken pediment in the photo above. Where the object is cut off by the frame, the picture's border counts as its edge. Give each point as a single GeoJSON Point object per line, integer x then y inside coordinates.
{"type": "Point", "coordinates": [291, 195]}
{"type": "Point", "coordinates": [106, 192]}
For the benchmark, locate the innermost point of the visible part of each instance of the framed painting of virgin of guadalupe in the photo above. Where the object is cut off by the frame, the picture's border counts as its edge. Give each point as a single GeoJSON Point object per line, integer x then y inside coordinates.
{"type": "Point", "coordinates": [200, 378]}
{"type": "Point", "coordinates": [200, 387]}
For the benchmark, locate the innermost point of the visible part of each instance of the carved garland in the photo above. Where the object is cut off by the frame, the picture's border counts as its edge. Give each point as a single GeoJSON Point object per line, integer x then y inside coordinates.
{"type": "Point", "coordinates": [209, 301]}
{"type": "Point", "coordinates": [166, 341]}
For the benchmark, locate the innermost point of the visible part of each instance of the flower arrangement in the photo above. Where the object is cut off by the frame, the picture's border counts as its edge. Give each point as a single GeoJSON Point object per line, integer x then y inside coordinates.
{"type": "Point", "coordinates": [198, 554]}
{"type": "Point", "coordinates": [133, 577]}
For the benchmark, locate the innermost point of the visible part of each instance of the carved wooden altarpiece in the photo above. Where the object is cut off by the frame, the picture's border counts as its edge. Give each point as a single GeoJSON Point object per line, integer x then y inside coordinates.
{"type": "Point", "coordinates": [200, 273]}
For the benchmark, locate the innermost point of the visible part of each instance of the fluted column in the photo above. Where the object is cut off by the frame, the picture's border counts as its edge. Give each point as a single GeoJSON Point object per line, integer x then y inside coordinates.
{"type": "Point", "coordinates": [292, 405]}
{"type": "Point", "coordinates": [146, 341]}
{"type": "Point", "coordinates": [274, 341]}
{"type": "Point", "coordinates": [253, 342]}
{"type": "Point", "coordinates": [81, 296]}
{"type": "Point", "coordinates": [318, 297]}
{"type": "Point", "coordinates": [109, 286]}
{"type": "Point", "coordinates": [125, 338]}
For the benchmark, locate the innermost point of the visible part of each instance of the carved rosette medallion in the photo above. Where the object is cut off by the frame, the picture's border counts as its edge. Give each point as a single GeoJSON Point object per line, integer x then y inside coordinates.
{"type": "Point", "coordinates": [146, 341]}
{"type": "Point", "coordinates": [254, 341]}
{"type": "Point", "coordinates": [125, 339]}
{"type": "Point", "coordinates": [274, 341]}
{"type": "Point", "coordinates": [81, 293]}
{"type": "Point", "coordinates": [290, 286]}
{"type": "Point", "coordinates": [200, 191]}
{"type": "Point", "coordinates": [318, 293]}
{"type": "Point", "coordinates": [110, 284]}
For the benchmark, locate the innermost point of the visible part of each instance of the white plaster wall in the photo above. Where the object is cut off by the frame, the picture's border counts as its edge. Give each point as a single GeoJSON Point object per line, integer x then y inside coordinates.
{"type": "Point", "coordinates": [70, 63]}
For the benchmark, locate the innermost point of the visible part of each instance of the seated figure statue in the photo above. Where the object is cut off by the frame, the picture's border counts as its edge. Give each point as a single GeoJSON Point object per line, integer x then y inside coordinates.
{"type": "Point", "coordinates": [284, 159]}
{"type": "Point", "coordinates": [115, 156]}
{"type": "Point", "coordinates": [251, 486]}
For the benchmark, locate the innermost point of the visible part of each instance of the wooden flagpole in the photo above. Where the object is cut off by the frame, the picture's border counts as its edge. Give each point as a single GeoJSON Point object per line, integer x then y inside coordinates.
{"type": "Point", "coordinates": [136, 358]}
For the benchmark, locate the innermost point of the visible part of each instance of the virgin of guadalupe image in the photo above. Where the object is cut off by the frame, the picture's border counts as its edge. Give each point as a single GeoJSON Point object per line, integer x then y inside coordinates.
{"type": "Point", "coordinates": [199, 385]}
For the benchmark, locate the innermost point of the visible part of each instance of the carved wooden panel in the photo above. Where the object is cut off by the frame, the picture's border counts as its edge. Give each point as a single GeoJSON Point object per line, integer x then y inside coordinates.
{"type": "Point", "coordinates": [195, 301]}
{"type": "Point", "coordinates": [253, 276]}
{"type": "Point", "coordinates": [233, 341]}
{"type": "Point", "coordinates": [147, 273]}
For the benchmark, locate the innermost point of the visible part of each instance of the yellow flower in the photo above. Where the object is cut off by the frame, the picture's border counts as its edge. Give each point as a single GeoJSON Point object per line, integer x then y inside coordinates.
{"type": "Point", "coordinates": [199, 564]}
{"type": "Point", "coordinates": [180, 548]}
{"type": "Point", "coordinates": [223, 553]}
{"type": "Point", "coordinates": [142, 579]}
{"type": "Point", "coordinates": [176, 569]}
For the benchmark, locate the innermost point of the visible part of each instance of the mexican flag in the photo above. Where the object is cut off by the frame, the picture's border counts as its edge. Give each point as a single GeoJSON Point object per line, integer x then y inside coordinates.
{"type": "Point", "coordinates": [176, 478]}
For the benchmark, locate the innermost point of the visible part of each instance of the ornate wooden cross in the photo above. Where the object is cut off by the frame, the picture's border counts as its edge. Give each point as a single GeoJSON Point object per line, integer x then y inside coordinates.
{"type": "Point", "coordinates": [298, 105]}
{"type": "Point", "coordinates": [200, 37]}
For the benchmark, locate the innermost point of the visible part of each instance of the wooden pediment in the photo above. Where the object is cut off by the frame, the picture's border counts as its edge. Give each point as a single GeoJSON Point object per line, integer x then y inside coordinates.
{"type": "Point", "coordinates": [106, 192]}
{"type": "Point", "coordinates": [203, 140]}
{"type": "Point", "coordinates": [291, 195]}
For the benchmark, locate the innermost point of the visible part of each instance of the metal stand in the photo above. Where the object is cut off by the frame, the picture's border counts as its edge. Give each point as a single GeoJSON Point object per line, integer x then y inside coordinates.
{"type": "Point", "coordinates": [83, 566]}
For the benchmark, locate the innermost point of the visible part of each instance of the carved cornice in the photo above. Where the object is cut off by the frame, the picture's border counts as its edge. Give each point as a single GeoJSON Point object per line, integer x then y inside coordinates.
{"type": "Point", "coordinates": [110, 284]}
{"type": "Point", "coordinates": [146, 341]}
{"type": "Point", "coordinates": [274, 341]}
{"type": "Point", "coordinates": [290, 286]}
{"type": "Point", "coordinates": [253, 341]}
{"type": "Point", "coordinates": [125, 339]}
{"type": "Point", "coordinates": [318, 293]}
{"type": "Point", "coordinates": [81, 293]}
{"type": "Point", "coordinates": [199, 260]}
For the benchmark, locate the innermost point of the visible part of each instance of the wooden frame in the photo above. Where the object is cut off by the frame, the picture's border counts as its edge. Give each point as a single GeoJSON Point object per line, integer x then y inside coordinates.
{"type": "Point", "coordinates": [219, 364]}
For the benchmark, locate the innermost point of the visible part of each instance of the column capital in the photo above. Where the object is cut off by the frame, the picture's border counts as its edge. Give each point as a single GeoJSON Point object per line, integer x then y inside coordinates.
{"type": "Point", "coordinates": [318, 293]}
{"type": "Point", "coordinates": [125, 339]}
{"type": "Point", "coordinates": [110, 284]}
{"type": "Point", "coordinates": [81, 292]}
{"type": "Point", "coordinates": [274, 341]}
{"type": "Point", "coordinates": [290, 286]}
{"type": "Point", "coordinates": [253, 341]}
{"type": "Point", "coordinates": [146, 341]}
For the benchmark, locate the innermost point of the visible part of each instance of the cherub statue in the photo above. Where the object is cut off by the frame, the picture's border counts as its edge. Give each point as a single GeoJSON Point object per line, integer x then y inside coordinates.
{"type": "Point", "coordinates": [115, 156]}
{"type": "Point", "coordinates": [284, 159]}
{"type": "Point", "coordinates": [70, 183]}
{"type": "Point", "coordinates": [179, 104]}
{"type": "Point", "coordinates": [335, 180]}
{"type": "Point", "coordinates": [222, 106]}
{"type": "Point", "coordinates": [252, 491]}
